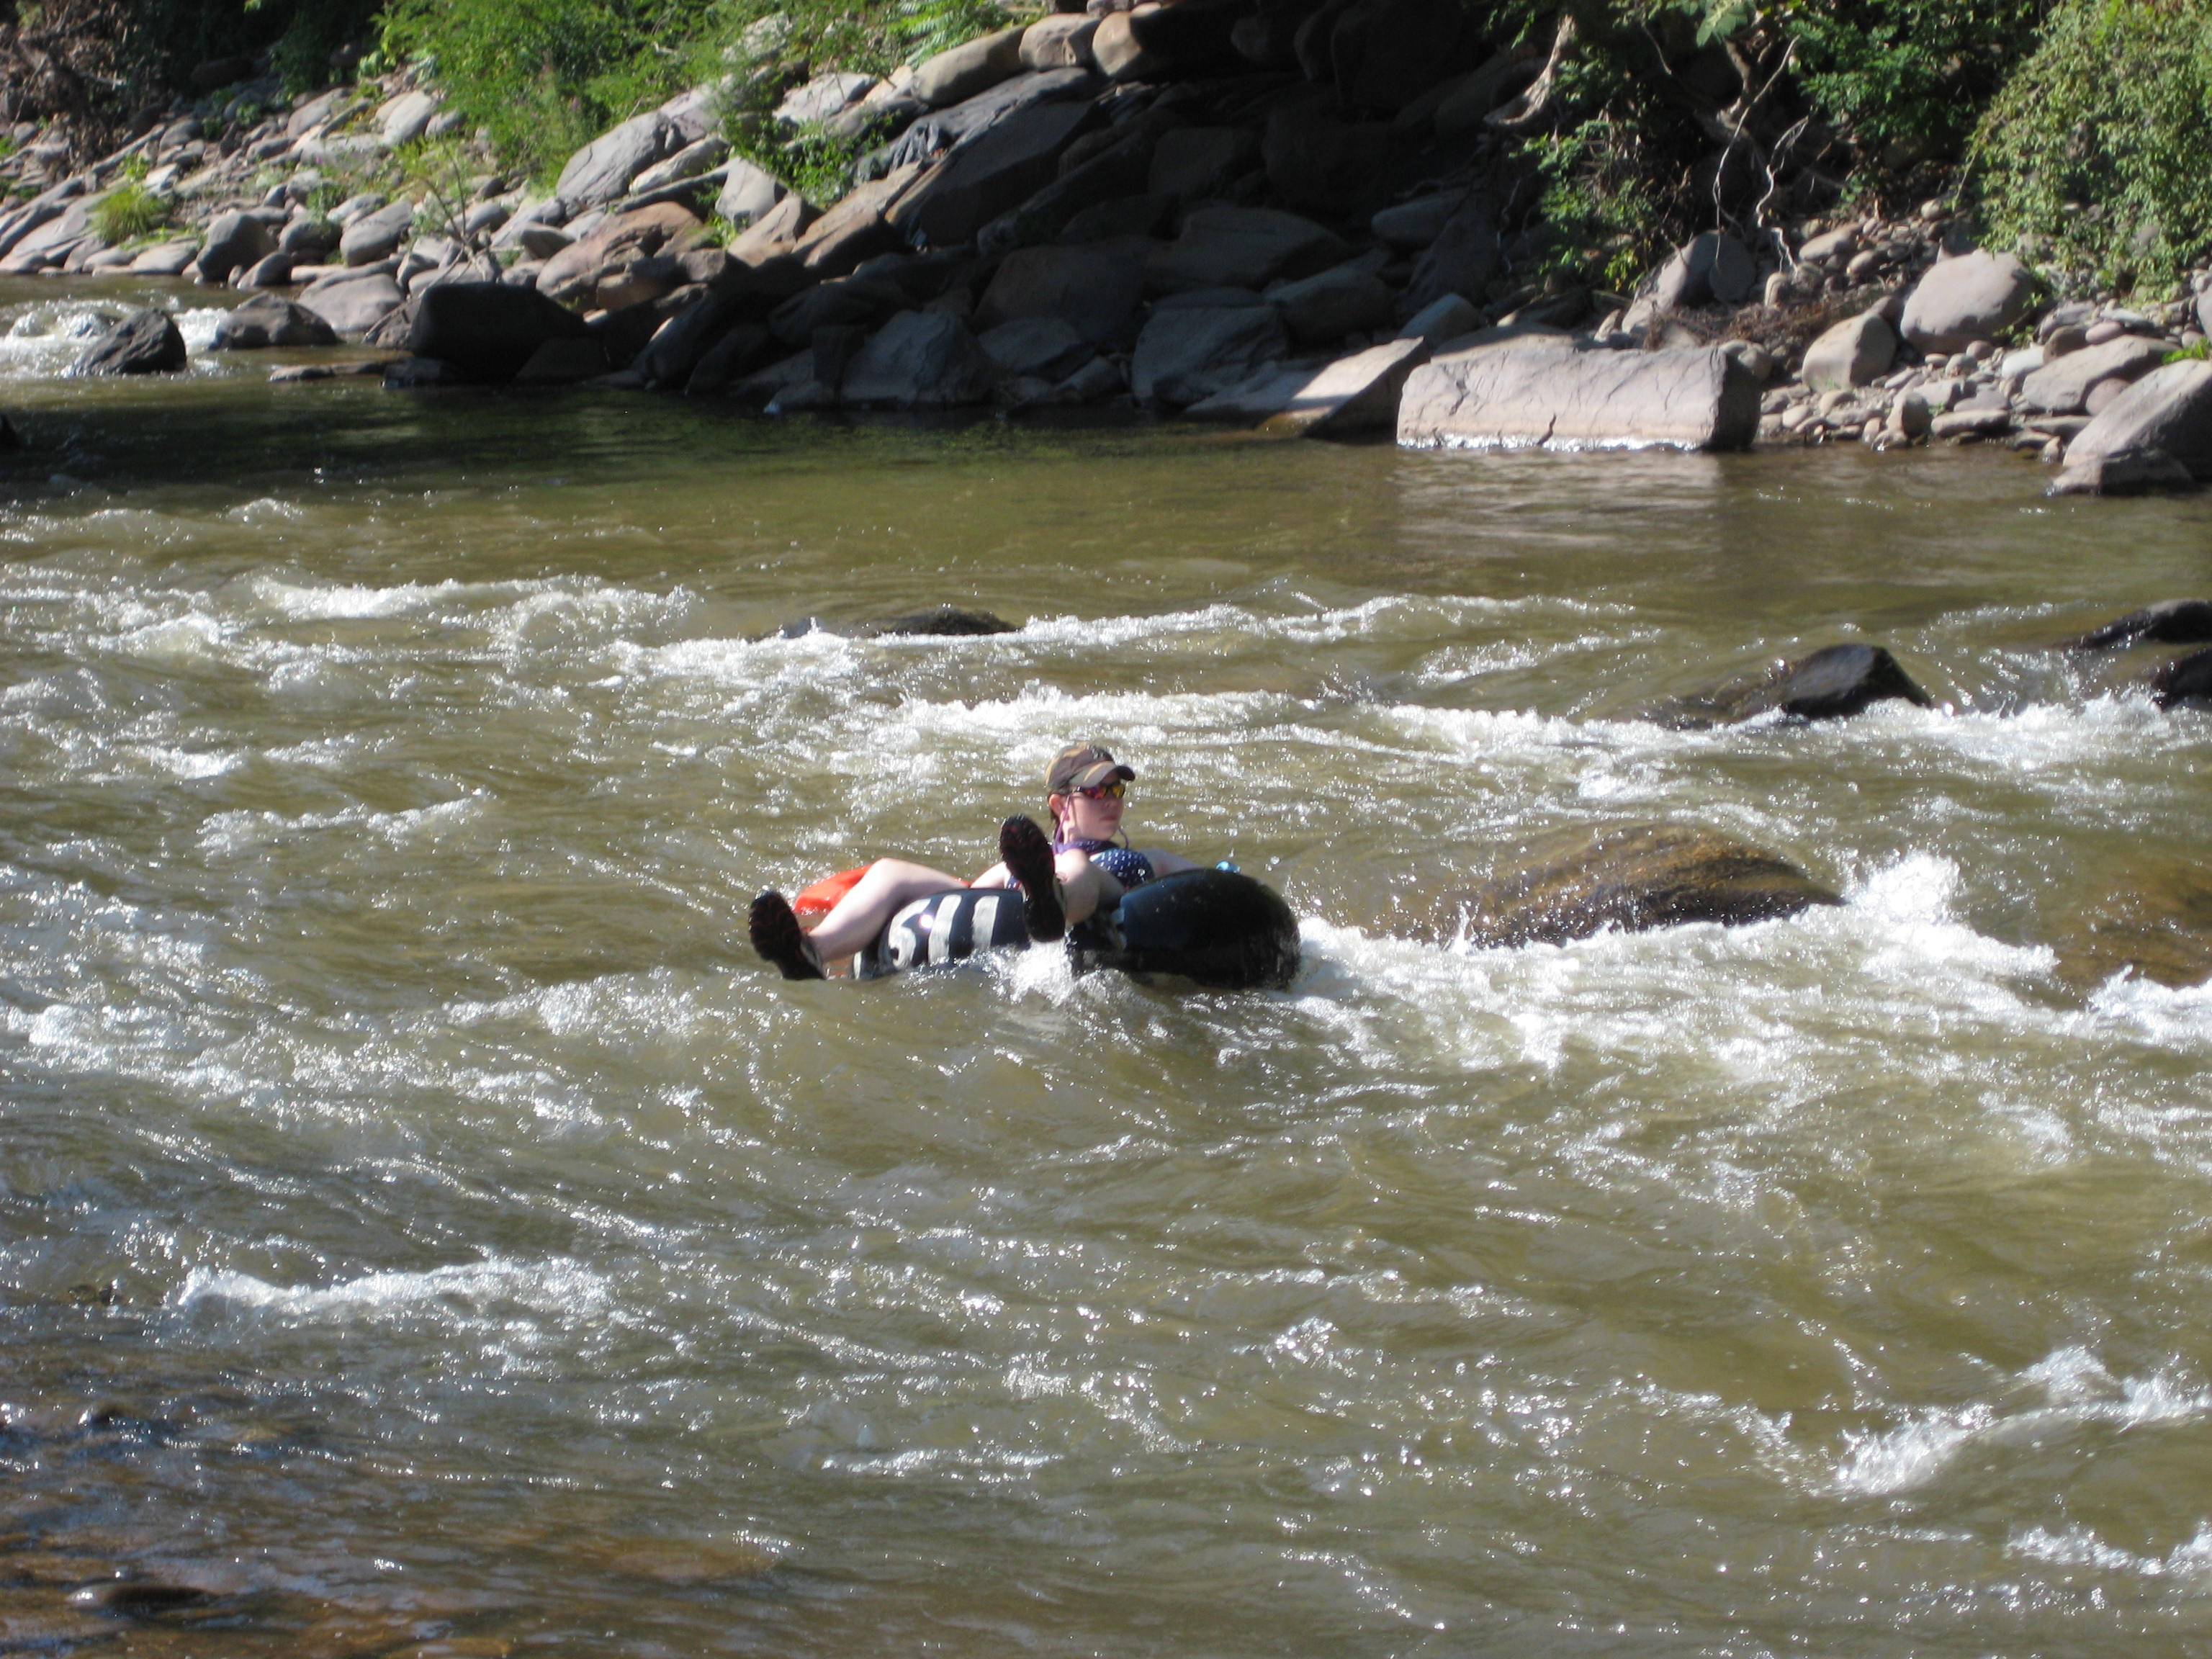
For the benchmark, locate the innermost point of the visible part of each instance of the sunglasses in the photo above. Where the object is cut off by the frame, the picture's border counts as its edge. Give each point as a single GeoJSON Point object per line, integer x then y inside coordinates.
{"type": "Point", "coordinates": [1113, 791]}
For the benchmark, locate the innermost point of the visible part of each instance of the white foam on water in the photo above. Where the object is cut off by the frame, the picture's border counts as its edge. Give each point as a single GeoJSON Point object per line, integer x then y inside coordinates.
{"type": "Point", "coordinates": [231, 834]}
{"type": "Point", "coordinates": [2066, 1391]}
{"type": "Point", "coordinates": [466, 1292]}
{"type": "Point", "coordinates": [2187, 1565]}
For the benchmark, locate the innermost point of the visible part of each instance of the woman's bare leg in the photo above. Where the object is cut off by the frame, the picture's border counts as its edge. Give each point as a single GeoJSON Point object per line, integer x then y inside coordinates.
{"type": "Point", "coordinates": [858, 916]}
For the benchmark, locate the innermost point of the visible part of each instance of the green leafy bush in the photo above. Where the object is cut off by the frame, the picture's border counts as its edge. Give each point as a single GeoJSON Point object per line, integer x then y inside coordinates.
{"type": "Point", "coordinates": [128, 212]}
{"type": "Point", "coordinates": [2097, 154]}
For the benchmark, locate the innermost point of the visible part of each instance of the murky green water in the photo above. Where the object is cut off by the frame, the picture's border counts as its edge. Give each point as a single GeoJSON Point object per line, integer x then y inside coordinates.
{"type": "Point", "coordinates": [426, 1228]}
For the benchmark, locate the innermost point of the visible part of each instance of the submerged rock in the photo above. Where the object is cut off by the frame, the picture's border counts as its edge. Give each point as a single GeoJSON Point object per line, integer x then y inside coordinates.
{"type": "Point", "coordinates": [942, 621]}
{"type": "Point", "coordinates": [1831, 684]}
{"type": "Point", "coordinates": [144, 342]}
{"type": "Point", "coordinates": [2157, 923]}
{"type": "Point", "coordinates": [1632, 878]}
{"type": "Point", "coordinates": [2170, 621]}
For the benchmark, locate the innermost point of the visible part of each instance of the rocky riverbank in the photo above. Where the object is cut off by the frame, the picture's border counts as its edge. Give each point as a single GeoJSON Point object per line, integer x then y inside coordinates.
{"type": "Point", "coordinates": [1211, 211]}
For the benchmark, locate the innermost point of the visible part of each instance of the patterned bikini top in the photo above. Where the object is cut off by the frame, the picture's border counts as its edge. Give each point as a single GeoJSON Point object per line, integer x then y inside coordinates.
{"type": "Point", "coordinates": [1125, 864]}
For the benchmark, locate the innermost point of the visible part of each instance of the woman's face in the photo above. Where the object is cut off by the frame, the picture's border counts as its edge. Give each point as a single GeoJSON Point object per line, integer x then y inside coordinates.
{"type": "Point", "coordinates": [1081, 817]}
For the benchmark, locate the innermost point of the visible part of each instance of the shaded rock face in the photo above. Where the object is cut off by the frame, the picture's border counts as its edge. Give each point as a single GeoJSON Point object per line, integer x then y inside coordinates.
{"type": "Point", "coordinates": [1095, 288]}
{"type": "Point", "coordinates": [488, 330]}
{"type": "Point", "coordinates": [1505, 395]}
{"type": "Point", "coordinates": [269, 319]}
{"type": "Point", "coordinates": [990, 173]}
{"type": "Point", "coordinates": [144, 342]}
{"type": "Point", "coordinates": [2170, 621]}
{"type": "Point", "coordinates": [1832, 683]}
{"type": "Point", "coordinates": [2156, 922]}
{"type": "Point", "coordinates": [1186, 355]}
{"type": "Point", "coordinates": [2185, 680]}
{"type": "Point", "coordinates": [1630, 878]}
{"type": "Point", "coordinates": [920, 359]}
{"type": "Point", "coordinates": [1242, 247]}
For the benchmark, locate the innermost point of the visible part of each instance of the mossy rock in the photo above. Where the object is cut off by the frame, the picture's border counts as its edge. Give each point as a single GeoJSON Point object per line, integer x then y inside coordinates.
{"type": "Point", "coordinates": [1632, 877]}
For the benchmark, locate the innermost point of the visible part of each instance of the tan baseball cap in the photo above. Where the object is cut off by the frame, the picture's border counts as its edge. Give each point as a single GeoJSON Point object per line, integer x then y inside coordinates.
{"type": "Point", "coordinates": [1082, 766]}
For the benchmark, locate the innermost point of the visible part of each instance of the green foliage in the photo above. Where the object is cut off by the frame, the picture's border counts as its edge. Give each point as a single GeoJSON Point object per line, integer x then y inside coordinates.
{"type": "Point", "coordinates": [544, 76]}
{"type": "Point", "coordinates": [2096, 156]}
{"type": "Point", "coordinates": [2201, 352]}
{"type": "Point", "coordinates": [128, 212]}
{"type": "Point", "coordinates": [1904, 79]}
{"type": "Point", "coordinates": [918, 28]}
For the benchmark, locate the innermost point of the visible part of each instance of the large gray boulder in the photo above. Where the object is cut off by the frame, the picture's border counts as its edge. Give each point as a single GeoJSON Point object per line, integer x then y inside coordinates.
{"type": "Point", "coordinates": [235, 241]}
{"type": "Point", "coordinates": [1856, 352]}
{"type": "Point", "coordinates": [1095, 287]}
{"type": "Point", "coordinates": [1629, 878]}
{"type": "Point", "coordinates": [748, 192]}
{"type": "Point", "coordinates": [1241, 247]}
{"type": "Point", "coordinates": [377, 235]}
{"type": "Point", "coordinates": [601, 171]}
{"type": "Point", "coordinates": [269, 320]}
{"type": "Point", "coordinates": [991, 173]}
{"type": "Point", "coordinates": [1974, 296]}
{"type": "Point", "coordinates": [1350, 397]}
{"type": "Point", "coordinates": [488, 330]}
{"type": "Point", "coordinates": [935, 134]}
{"type": "Point", "coordinates": [1059, 40]}
{"type": "Point", "coordinates": [2165, 416]}
{"type": "Point", "coordinates": [954, 75]}
{"type": "Point", "coordinates": [1187, 354]}
{"type": "Point", "coordinates": [353, 305]}
{"type": "Point", "coordinates": [403, 119]}
{"type": "Point", "coordinates": [1322, 309]}
{"type": "Point", "coordinates": [2062, 387]}
{"type": "Point", "coordinates": [144, 342]}
{"type": "Point", "coordinates": [1701, 397]}
{"type": "Point", "coordinates": [920, 359]}
{"type": "Point", "coordinates": [1714, 266]}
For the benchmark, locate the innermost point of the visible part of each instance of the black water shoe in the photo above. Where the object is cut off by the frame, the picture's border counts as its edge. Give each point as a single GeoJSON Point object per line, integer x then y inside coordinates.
{"type": "Point", "coordinates": [1028, 856]}
{"type": "Point", "coordinates": [778, 937]}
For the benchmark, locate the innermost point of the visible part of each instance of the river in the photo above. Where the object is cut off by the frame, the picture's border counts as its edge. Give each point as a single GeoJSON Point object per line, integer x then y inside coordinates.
{"type": "Point", "coordinates": [427, 1230]}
